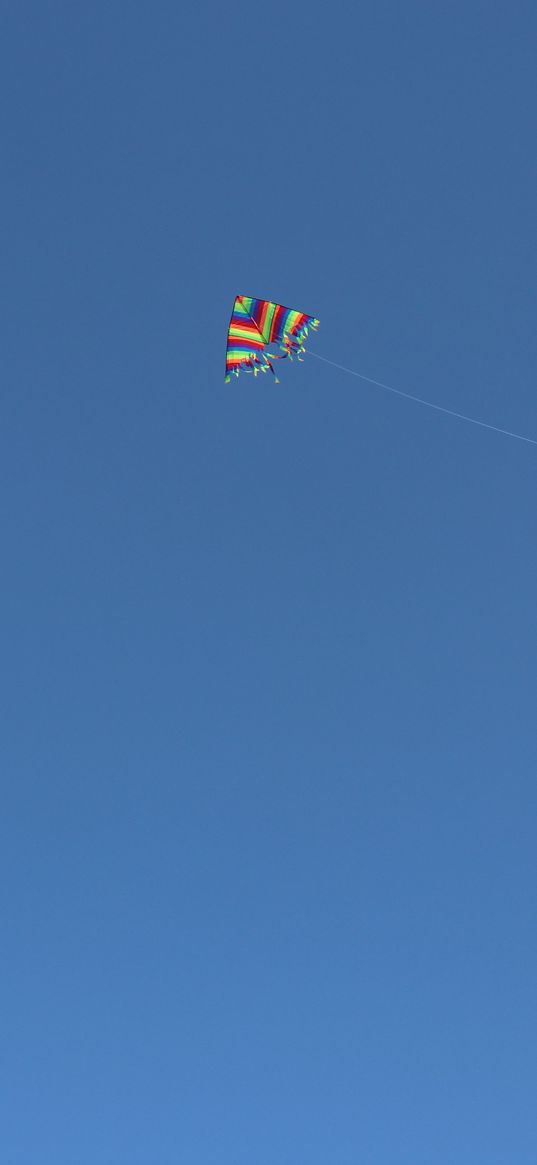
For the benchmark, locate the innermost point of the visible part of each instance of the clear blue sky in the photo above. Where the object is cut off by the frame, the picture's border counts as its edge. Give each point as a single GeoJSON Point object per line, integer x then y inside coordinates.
{"type": "Point", "coordinates": [269, 653]}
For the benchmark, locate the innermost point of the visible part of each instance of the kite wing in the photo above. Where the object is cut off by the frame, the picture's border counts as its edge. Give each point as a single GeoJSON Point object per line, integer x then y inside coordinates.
{"type": "Point", "coordinates": [257, 323]}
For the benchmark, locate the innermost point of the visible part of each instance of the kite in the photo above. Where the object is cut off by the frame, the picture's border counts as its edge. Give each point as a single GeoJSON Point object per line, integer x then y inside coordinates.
{"type": "Point", "coordinates": [258, 323]}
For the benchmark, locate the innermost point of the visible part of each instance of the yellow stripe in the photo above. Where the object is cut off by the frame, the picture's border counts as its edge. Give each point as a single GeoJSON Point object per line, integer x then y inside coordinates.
{"type": "Point", "coordinates": [237, 333]}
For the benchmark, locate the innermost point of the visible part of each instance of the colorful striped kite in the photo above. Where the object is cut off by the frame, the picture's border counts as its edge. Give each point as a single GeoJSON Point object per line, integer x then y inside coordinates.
{"type": "Point", "coordinates": [255, 323]}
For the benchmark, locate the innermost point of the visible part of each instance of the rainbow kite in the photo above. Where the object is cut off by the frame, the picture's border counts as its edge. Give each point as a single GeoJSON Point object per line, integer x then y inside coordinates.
{"type": "Point", "coordinates": [256, 323]}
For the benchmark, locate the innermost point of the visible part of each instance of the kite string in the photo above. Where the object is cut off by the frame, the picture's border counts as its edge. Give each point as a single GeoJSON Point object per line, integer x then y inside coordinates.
{"type": "Point", "coordinates": [419, 400]}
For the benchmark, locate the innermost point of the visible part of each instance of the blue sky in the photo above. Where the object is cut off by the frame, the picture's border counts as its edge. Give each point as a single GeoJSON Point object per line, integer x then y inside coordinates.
{"type": "Point", "coordinates": [268, 747]}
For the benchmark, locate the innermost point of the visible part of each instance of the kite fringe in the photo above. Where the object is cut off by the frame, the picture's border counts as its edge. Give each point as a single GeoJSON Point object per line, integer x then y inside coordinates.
{"type": "Point", "coordinates": [291, 345]}
{"type": "Point", "coordinates": [293, 341]}
{"type": "Point", "coordinates": [252, 364]}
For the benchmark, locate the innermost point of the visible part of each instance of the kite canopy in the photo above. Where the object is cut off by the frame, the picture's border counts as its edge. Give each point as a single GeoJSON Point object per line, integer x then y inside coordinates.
{"type": "Point", "coordinates": [256, 323]}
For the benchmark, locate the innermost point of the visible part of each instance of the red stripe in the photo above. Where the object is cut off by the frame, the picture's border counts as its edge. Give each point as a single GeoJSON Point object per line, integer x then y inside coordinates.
{"type": "Point", "coordinates": [263, 315]}
{"type": "Point", "coordinates": [246, 345]}
{"type": "Point", "coordinates": [245, 326]}
{"type": "Point", "coordinates": [276, 320]}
